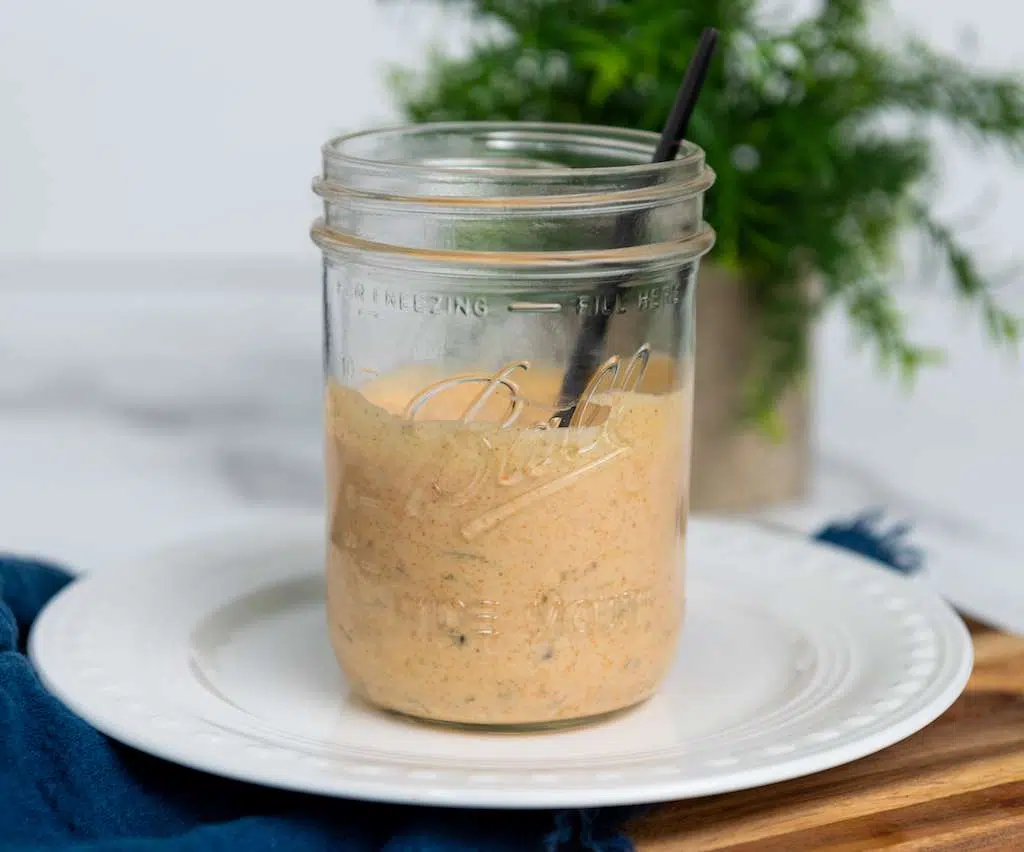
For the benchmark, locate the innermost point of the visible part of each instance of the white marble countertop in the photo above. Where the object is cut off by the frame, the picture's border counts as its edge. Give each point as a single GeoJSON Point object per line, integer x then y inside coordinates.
{"type": "Point", "coordinates": [149, 400]}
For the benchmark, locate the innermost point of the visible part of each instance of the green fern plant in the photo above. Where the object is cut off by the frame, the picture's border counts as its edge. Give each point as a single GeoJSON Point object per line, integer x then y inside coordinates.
{"type": "Point", "coordinates": [818, 132]}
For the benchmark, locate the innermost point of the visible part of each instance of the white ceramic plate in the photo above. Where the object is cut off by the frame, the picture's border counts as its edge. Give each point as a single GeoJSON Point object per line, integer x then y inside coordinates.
{"type": "Point", "coordinates": [795, 658]}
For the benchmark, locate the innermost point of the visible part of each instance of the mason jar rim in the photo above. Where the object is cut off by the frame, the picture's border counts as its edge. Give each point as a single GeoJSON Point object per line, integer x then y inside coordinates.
{"type": "Point", "coordinates": [624, 140]}
{"type": "Point", "coordinates": [591, 263]}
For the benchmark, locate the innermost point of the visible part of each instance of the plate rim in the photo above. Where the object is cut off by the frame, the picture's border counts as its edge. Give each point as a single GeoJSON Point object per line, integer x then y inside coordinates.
{"type": "Point", "coordinates": [402, 791]}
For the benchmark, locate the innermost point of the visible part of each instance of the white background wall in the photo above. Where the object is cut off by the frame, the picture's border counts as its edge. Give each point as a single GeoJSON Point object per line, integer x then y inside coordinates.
{"type": "Point", "coordinates": [193, 126]}
{"type": "Point", "coordinates": [185, 126]}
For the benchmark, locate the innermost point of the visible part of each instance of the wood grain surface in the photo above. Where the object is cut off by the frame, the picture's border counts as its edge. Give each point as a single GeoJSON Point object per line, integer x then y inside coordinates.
{"type": "Point", "coordinates": [956, 785]}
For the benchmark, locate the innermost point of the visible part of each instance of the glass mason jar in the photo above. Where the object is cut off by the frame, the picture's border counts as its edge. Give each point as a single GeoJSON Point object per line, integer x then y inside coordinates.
{"type": "Point", "coordinates": [508, 350]}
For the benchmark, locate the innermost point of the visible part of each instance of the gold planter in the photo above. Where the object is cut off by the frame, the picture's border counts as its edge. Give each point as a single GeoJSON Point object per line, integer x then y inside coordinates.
{"type": "Point", "coordinates": [738, 468]}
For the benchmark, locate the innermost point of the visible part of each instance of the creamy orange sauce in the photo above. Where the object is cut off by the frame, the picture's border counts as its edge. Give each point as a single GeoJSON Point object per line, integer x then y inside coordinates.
{"type": "Point", "coordinates": [484, 568]}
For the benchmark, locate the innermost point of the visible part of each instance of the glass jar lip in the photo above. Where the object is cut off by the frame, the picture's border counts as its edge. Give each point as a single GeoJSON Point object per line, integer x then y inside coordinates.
{"type": "Point", "coordinates": [624, 140]}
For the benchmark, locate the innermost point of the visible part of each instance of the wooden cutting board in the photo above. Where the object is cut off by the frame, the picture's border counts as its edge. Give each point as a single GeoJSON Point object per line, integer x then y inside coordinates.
{"type": "Point", "coordinates": [956, 785]}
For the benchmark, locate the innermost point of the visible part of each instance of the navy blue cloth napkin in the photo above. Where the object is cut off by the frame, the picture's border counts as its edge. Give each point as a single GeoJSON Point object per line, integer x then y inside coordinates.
{"type": "Point", "coordinates": [64, 787]}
